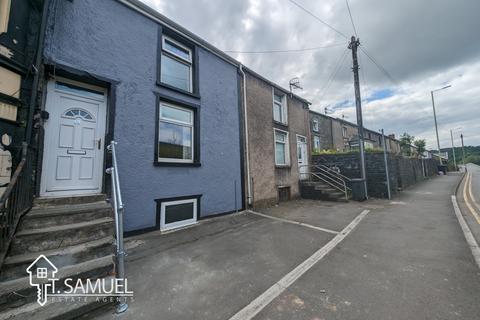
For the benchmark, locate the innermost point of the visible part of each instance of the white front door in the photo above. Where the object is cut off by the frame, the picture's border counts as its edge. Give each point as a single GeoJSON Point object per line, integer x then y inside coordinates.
{"type": "Point", "coordinates": [302, 156]}
{"type": "Point", "coordinates": [74, 139]}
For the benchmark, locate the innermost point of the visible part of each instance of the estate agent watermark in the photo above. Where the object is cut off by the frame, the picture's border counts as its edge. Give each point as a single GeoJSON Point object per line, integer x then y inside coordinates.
{"type": "Point", "coordinates": [43, 276]}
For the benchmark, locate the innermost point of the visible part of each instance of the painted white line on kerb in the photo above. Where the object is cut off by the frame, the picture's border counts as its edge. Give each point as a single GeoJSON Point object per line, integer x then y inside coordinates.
{"type": "Point", "coordinates": [294, 222]}
{"type": "Point", "coordinates": [257, 305]}
{"type": "Point", "coordinates": [467, 232]}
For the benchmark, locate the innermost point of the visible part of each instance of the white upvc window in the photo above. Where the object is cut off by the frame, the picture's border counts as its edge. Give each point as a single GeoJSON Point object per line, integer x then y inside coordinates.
{"type": "Point", "coordinates": [282, 148]}
{"type": "Point", "coordinates": [279, 107]}
{"type": "Point", "coordinates": [315, 125]}
{"type": "Point", "coordinates": [179, 213]}
{"type": "Point", "coordinates": [316, 143]}
{"type": "Point", "coordinates": [175, 134]}
{"type": "Point", "coordinates": [176, 64]}
{"type": "Point", "coordinates": [344, 132]}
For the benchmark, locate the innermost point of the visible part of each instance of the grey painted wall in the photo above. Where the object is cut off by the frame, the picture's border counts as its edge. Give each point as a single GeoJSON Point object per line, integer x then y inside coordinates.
{"type": "Point", "coordinates": [110, 40]}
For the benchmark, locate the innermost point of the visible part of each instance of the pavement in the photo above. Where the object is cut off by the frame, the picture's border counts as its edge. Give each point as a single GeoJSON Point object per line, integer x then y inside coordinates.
{"type": "Point", "coordinates": [405, 259]}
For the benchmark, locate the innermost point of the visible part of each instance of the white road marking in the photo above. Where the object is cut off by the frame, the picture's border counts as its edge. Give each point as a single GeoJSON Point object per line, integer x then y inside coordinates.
{"type": "Point", "coordinates": [467, 232]}
{"type": "Point", "coordinates": [293, 222]}
{"type": "Point", "coordinates": [257, 305]}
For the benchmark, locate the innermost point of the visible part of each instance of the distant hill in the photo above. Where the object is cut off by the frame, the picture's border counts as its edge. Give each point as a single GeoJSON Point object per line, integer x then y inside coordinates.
{"type": "Point", "coordinates": [472, 154]}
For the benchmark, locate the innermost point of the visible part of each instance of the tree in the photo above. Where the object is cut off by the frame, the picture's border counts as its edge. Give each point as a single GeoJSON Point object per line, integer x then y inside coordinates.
{"type": "Point", "coordinates": [406, 141]}
{"type": "Point", "coordinates": [421, 145]}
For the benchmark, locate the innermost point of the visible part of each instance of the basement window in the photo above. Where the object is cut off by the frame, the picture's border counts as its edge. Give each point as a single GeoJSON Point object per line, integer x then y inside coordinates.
{"type": "Point", "coordinates": [179, 213]}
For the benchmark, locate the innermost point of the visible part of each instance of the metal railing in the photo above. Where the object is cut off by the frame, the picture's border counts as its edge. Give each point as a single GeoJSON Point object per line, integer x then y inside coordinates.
{"type": "Point", "coordinates": [328, 176]}
{"type": "Point", "coordinates": [118, 209]}
{"type": "Point", "coordinates": [16, 200]}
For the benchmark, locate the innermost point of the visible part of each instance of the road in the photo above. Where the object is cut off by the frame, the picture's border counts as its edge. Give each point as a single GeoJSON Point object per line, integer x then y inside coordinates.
{"type": "Point", "coordinates": [406, 261]}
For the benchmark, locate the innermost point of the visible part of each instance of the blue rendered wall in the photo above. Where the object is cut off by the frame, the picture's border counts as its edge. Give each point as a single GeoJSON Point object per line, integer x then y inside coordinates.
{"type": "Point", "coordinates": [110, 40]}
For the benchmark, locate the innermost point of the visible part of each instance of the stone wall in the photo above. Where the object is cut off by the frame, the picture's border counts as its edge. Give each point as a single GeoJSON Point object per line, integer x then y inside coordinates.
{"type": "Point", "coordinates": [403, 172]}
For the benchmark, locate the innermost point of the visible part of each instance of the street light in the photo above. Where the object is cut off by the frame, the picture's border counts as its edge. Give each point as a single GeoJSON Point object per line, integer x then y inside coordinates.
{"type": "Point", "coordinates": [435, 118]}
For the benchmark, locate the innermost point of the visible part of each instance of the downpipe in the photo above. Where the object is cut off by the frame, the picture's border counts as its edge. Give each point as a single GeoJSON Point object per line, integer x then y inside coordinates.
{"type": "Point", "coordinates": [247, 153]}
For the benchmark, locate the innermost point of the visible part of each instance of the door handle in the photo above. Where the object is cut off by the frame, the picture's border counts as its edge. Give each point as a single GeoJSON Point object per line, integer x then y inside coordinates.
{"type": "Point", "coordinates": [99, 143]}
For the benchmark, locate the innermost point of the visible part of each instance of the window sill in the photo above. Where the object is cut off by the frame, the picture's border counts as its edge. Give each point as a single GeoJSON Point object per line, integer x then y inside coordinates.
{"type": "Point", "coordinates": [187, 93]}
{"type": "Point", "coordinates": [176, 164]}
{"type": "Point", "coordinates": [283, 166]}
{"type": "Point", "coordinates": [283, 124]}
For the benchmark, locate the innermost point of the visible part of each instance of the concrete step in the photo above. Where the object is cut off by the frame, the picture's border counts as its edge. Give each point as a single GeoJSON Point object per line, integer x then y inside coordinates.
{"type": "Point", "coordinates": [15, 266]}
{"type": "Point", "coordinates": [18, 292]}
{"type": "Point", "coordinates": [55, 237]}
{"type": "Point", "coordinates": [56, 310]}
{"type": "Point", "coordinates": [68, 200]}
{"type": "Point", "coordinates": [45, 216]}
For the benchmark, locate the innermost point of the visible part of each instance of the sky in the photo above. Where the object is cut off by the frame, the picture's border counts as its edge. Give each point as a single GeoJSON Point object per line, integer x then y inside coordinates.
{"type": "Point", "coordinates": [420, 45]}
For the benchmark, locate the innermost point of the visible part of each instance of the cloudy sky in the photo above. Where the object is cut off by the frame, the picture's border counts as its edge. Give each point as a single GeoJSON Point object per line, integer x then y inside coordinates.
{"type": "Point", "coordinates": [422, 45]}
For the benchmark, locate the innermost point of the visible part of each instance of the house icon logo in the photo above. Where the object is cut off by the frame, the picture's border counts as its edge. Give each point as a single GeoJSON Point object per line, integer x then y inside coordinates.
{"type": "Point", "coordinates": [42, 275]}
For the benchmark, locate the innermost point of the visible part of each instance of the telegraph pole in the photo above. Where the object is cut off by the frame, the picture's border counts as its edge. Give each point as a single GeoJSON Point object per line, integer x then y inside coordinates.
{"type": "Point", "coordinates": [353, 45]}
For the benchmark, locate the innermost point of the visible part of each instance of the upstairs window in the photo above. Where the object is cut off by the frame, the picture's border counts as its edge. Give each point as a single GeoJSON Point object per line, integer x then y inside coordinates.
{"type": "Point", "coordinates": [175, 134]}
{"type": "Point", "coordinates": [282, 155]}
{"type": "Point", "coordinates": [344, 132]}
{"type": "Point", "coordinates": [279, 108]}
{"type": "Point", "coordinates": [176, 65]}
{"type": "Point", "coordinates": [315, 125]}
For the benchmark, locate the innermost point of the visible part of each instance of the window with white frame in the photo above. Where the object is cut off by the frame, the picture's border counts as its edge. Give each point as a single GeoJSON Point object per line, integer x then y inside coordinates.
{"type": "Point", "coordinates": [315, 125]}
{"type": "Point", "coordinates": [178, 213]}
{"type": "Point", "coordinates": [175, 134]}
{"type": "Point", "coordinates": [279, 107]}
{"type": "Point", "coordinates": [4, 15]}
{"type": "Point", "coordinates": [42, 273]}
{"type": "Point", "coordinates": [176, 65]}
{"type": "Point", "coordinates": [344, 132]}
{"type": "Point", "coordinates": [282, 155]}
{"type": "Point", "coordinates": [316, 143]}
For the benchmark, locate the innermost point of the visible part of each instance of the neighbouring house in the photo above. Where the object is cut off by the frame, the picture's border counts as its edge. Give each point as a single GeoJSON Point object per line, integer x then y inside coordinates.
{"type": "Point", "coordinates": [338, 134]}
{"type": "Point", "coordinates": [278, 141]}
{"type": "Point", "coordinates": [19, 38]}
{"type": "Point", "coordinates": [169, 99]}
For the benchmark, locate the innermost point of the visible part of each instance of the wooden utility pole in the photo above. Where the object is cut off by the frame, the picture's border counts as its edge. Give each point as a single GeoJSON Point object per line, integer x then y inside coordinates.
{"type": "Point", "coordinates": [353, 45]}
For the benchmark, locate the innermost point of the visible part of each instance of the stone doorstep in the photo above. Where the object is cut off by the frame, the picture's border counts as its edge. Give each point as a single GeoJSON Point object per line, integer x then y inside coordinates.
{"type": "Point", "coordinates": [44, 201]}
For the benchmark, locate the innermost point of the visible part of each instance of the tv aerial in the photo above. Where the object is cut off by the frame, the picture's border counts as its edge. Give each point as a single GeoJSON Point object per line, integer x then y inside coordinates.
{"type": "Point", "coordinates": [295, 84]}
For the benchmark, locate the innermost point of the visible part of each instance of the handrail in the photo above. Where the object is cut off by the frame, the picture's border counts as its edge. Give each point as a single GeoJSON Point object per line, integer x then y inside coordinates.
{"type": "Point", "coordinates": [16, 200]}
{"type": "Point", "coordinates": [118, 209]}
{"type": "Point", "coordinates": [330, 177]}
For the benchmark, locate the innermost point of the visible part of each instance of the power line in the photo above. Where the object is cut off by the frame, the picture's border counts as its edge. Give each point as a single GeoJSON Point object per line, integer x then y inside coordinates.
{"type": "Point", "coordinates": [351, 19]}
{"type": "Point", "coordinates": [316, 17]}
{"type": "Point", "coordinates": [334, 73]}
{"type": "Point", "coordinates": [286, 50]}
{"type": "Point", "coordinates": [379, 66]}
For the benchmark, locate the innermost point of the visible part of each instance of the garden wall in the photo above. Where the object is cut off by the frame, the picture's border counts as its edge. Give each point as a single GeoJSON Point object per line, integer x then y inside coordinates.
{"type": "Point", "coordinates": [403, 172]}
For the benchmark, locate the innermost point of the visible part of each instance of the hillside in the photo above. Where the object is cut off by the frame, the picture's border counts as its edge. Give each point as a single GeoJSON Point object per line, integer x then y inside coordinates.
{"type": "Point", "coordinates": [472, 154]}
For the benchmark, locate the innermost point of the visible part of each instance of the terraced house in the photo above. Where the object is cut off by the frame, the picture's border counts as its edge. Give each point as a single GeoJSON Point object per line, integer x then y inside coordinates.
{"type": "Point", "coordinates": [278, 141]}
{"type": "Point", "coordinates": [171, 102]}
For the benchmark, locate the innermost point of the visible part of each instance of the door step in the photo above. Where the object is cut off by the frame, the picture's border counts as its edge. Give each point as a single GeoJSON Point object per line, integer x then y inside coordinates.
{"type": "Point", "coordinates": [54, 237]}
{"type": "Point", "coordinates": [47, 201]}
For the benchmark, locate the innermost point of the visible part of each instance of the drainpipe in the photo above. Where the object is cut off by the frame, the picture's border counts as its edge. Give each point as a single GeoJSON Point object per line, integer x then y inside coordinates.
{"type": "Point", "coordinates": [247, 154]}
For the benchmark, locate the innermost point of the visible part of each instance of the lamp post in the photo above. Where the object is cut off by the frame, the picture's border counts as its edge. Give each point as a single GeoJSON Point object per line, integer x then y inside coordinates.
{"type": "Point", "coordinates": [435, 118]}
